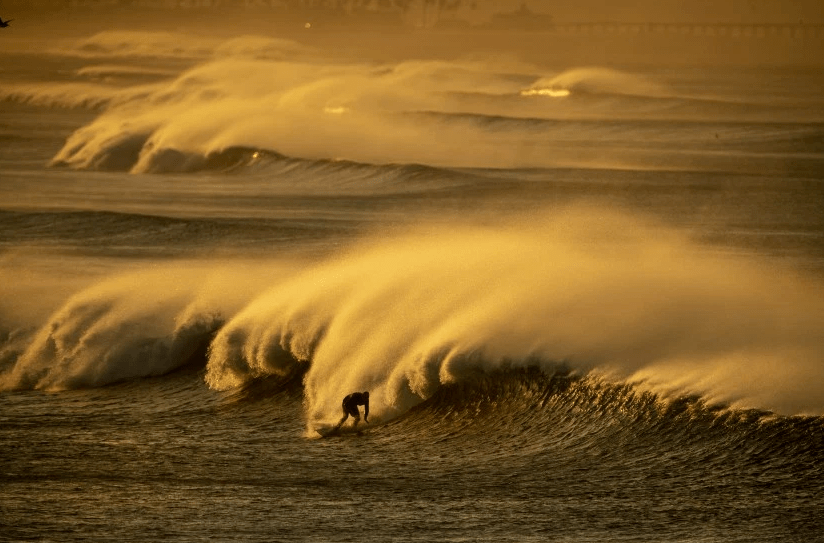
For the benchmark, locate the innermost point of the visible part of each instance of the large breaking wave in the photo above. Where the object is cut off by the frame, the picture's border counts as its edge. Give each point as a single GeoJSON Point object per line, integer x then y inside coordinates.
{"type": "Point", "coordinates": [586, 292]}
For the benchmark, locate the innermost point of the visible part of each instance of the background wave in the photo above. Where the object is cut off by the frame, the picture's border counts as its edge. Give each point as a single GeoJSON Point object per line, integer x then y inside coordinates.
{"type": "Point", "coordinates": [180, 46]}
{"type": "Point", "coordinates": [443, 114]}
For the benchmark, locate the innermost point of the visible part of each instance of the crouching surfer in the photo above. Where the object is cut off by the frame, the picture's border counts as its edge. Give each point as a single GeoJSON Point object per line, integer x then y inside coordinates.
{"type": "Point", "coordinates": [350, 407]}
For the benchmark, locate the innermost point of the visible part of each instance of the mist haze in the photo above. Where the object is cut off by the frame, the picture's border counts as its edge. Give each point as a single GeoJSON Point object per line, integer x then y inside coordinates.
{"type": "Point", "coordinates": [534, 31]}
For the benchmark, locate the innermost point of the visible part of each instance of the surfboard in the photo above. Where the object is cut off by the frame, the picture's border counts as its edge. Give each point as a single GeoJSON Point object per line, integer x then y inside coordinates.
{"type": "Point", "coordinates": [331, 431]}
{"type": "Point", "coordinates": [327, 431]}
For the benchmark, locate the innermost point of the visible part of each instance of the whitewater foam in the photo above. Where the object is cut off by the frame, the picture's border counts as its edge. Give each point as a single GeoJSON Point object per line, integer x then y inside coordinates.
{"type": "Point", "coordinates": [443, 114]}
{"type": "Point", "coordinates": [128, 325]}
{"type": "Point", "coordinates": [323, 111]}
{"type": "Point", "coordinates": [597, 80]}
{"type": "Point", "coordinates": [590, 290]}
{"type": "Point", "coordinates": [402, 313]}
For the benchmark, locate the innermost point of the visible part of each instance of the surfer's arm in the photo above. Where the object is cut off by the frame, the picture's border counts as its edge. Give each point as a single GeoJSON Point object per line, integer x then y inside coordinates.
{"type": "Point", "coordinates": [366, 411]}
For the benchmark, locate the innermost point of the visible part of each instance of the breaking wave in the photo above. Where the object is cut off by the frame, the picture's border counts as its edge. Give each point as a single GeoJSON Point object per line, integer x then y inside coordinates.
{"type": "Point", "coordinates": [107, 333]}
{"type": "Point", "coordinates": [81, 95]}
{"type": "Point", "coordinates": [598, 81]}
{"type": "Point", "coordinates": [180, 46]}
{"type": "Point", "coordinates": [125, 43]}
{"type": "Point", "coordinates": [588, 292]}
{"type": "Point", "coordinates": [585, 293]}
{"type": "Point", "coordinates": [449, 115]}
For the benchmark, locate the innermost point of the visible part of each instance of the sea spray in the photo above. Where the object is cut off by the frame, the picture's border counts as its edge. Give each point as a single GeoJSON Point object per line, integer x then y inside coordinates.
{"type": "Point", "coordinates": [322, 109]}
{"type": "Point", "coordinates": [589, 289]}
{"type": "Point", "coordinates": [596, 80]}
{"type": "Point", "coordinates": [129, 325]}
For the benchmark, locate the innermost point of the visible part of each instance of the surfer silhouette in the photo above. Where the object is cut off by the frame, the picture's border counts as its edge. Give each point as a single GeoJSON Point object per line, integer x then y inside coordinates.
{"type": "Point", "coordinates": [350, 407]}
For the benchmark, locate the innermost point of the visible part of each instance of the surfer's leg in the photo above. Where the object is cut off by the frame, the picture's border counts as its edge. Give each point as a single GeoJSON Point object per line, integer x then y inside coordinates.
{"type": "Point", "coordinates": [345, 416]}
{"type": "Point", "coordinates": [356, 416]}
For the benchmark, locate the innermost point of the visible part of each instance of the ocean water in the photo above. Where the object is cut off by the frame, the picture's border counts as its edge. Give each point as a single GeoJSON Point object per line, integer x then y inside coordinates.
{"type": "Point", "coordinates": [587, 301]}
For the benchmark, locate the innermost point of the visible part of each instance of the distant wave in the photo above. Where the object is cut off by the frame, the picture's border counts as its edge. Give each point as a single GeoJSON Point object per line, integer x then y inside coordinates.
{"type": "Point", "coordinates": [125, 153]}
{"type": "Point", "coordinates": [267, 48]}
{"type": "Point", "coordinates": [145, 58]}
{"type": "Point", "coordinates": [297, 109]}
{"type": "Point", "coordinates": [109, 72]}
{"type": "Point", "coordinates": [126, 43]}
{"type": "Point", "coordinates": [84, 95]}
{"type": "Point", "coordinates": [617, 94]}
{"type": "Point", "coordinates": [597, 80]}
{"type": "Point", "coordinates": [180, 46]}
{"type": "Point", "coordinates": [129, 234]}
{"type": "Point", "coordinates": [358, 177]}
{"type": "Point", "coordinates": [314, 111]}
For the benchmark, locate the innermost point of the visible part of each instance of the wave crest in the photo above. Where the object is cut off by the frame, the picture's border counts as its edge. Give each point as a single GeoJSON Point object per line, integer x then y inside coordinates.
{"type": "Point", "coordinates": [133, 43]}
{"type": "Point", "coordinates": [599, 81]}
{"type": "Point", "coordinates": [589, 290]}
{"type": "Point", "coordinates": [181, 46]}
{"type": "Point", "coordinates": [109, 333]}
{"type": "Point", "coordinates": [324, 111]}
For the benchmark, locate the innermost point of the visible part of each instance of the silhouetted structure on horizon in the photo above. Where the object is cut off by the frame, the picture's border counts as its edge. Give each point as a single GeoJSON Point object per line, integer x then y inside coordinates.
{"type": "Point", "coordinates": [455, 13]}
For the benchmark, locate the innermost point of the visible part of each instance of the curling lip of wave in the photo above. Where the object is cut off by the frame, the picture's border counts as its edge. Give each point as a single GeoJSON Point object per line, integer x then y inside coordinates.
{"type": "Point", "coordinates": [590, 290]}
{"type": "Point", "coordinates": [122, 327]}
{"type": "Point", "coordinates": [399, 319]}
{"type": "Point", "coordinates": [90, 343]}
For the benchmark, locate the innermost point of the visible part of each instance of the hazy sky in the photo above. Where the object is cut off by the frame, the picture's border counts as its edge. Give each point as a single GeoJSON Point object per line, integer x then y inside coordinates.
{"type": "Point", "coordinates": [743, 11]}
{"type": "Point", "coordinates": [811, 11]}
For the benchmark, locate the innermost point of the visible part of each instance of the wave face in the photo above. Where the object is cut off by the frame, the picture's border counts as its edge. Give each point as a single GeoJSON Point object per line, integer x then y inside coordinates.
{"type": "Point", "coordinates": [528, 413]}
{"type": "Point", "coordinates": [588, 291]}
{"type": "Point", "coordinates": [585, 291]}
{"type": "Point", "coordinates": [106, 334]}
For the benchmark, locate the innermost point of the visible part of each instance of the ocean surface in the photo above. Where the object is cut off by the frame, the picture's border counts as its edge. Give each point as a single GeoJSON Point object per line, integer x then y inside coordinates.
{"type": "Point", "coordinates": [587, 301]}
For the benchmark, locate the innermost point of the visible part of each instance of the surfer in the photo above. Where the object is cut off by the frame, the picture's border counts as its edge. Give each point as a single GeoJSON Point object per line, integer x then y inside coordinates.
{"type": "Point", "coordinates": [350, 407]}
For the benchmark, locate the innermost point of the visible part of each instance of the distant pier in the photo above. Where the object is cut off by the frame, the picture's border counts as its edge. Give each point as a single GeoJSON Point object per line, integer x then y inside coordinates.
{"type": "Point", "coordinates": [766, 30]}
{"type": "Point", "coordinates": [444, 13]}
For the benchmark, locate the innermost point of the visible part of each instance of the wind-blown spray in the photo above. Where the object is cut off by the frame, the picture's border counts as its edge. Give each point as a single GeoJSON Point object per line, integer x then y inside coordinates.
{"type": "Point", "coordinates": [587, 290]}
